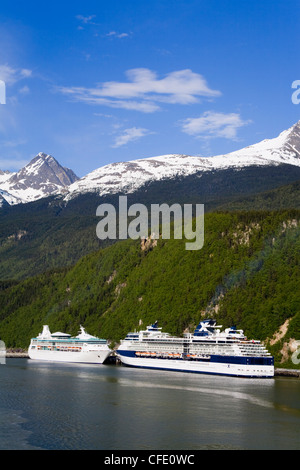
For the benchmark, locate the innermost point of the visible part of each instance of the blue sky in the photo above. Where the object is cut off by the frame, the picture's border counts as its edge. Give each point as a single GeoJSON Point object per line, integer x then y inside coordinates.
{"type": "Point", "coordinates": [97, 82]}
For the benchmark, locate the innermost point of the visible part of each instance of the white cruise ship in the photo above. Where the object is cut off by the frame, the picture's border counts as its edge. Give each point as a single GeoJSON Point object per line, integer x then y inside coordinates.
{"type": "Point", "coordinates": [61, 347]}
{"type": "Point", "coordinates": [208, 350]}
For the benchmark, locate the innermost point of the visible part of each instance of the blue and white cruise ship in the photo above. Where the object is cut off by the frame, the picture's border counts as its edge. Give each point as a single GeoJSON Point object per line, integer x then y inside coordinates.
{"type": "Point", "coordinates": [208, 350]}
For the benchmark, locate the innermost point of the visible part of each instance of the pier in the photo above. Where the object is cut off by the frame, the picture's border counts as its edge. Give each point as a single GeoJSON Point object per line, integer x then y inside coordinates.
{"type": "Point", "coordinates": [287, 373]}
{"type": "Point", "coordinates": [16, 353]}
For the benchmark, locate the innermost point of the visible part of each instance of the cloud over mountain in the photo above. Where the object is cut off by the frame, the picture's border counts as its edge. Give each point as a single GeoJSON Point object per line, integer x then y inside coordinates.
{"type": "Point", "coordinates": [144, 91]}
{"type": "Point", "coordinates": [213, 124]}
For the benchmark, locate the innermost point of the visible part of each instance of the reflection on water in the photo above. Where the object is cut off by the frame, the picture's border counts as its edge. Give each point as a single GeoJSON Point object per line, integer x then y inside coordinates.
{"type": "Point", "coordinates": [72, 406]}
{"type": "Point", "coordinates": [220, 393]}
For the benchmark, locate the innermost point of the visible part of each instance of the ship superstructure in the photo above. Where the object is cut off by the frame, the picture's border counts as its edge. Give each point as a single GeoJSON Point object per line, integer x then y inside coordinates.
{"type": "Point", "coordinates": [62, 347]}
{"type": "Point", "coordinates": [208, 350]}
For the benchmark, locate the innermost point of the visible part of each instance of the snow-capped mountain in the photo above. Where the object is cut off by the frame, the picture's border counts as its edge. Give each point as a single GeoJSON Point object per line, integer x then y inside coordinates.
{"type": "Point", "coordinates": [42, 177]}
{"type": "Point", "coordinates": [127, 177]}
{"type": "Point", "coordinates": [7, 199]}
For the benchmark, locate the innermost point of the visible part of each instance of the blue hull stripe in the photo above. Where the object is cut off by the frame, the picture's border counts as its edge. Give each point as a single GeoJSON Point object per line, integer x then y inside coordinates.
{"type": "Point", "coordinates": [262, 361]}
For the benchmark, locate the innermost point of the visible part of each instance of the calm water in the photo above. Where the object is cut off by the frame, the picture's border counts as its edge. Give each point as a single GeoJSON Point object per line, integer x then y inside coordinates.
{"type": "Point", "coordinates": [60, 406]}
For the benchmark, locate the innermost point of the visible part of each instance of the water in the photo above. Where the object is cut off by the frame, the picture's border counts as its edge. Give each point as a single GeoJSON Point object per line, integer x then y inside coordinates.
{"type": "Point", "coordinates": [71, 406]}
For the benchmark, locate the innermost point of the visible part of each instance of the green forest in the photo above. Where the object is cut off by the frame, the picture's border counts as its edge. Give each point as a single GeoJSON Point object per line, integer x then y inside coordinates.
{"type": "Point", "coordinates": [49, 233]}
{"type": "Point", "coordinates": [246, 274]}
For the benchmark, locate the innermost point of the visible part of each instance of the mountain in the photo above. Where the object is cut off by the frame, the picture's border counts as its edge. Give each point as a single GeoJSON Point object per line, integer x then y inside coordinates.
{"type": "Point", "coordinates": [127, 177]}
{"type": "Point", "coordinates": [44, 176]}
{"type": "Point", "coordinates": [40, 178]}
{"type": "Point", "coordinates": [246, 274]}
{"type": "Point", "coordinates": [54, 269]}
{"type": "Point", "coordinates": [7, 199]}
{"type": "Point", "coordinates": [283, 197]}
{"type": "Point", "coordinates": [48, 234]}
{"type": "Point", "coordinates": [6, 172]}
{"type": "Point", "coordinates": [57, 230]}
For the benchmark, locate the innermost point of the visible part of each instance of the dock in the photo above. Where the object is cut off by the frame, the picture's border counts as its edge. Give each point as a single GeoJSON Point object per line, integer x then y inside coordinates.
{"type": "Point", "coordinates": [287, 373]}
{"type": "Point", "coordinates": [16, 353]}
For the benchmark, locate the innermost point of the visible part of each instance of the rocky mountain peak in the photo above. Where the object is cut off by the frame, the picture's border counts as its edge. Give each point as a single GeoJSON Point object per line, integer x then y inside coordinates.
{"type": "Point", "coordinates": [129, 176]}
{"type": "Point", "coordinates": [293, 139]}
{"type": "Point", "coordinates": [42, 176]}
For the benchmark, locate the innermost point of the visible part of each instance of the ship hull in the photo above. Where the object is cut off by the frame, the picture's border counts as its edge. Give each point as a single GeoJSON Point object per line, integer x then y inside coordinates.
{"type": "Point", "coordinates": [86, 357]}
{"type": "Point", "coordinates": [233, 367]}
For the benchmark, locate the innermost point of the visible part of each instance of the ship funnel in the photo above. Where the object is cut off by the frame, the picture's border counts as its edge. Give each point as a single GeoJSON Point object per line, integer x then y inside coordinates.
{"type": "Point", "coordinates": [45, 333]}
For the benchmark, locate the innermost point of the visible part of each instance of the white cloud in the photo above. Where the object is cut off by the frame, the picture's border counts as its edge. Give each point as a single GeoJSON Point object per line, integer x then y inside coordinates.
{"type": "Point", "coordinates": [103, 115]}
{"type": "Point", "coordinates": [212, 125]}
{"type": "Point", "coordinates": [90, 96]}
{"type": "Point", "coordinates": [25, 73]}
{"type": "Point", "coordinates": [130, 135]}
{"type": "Point", "coordinates": [85, 19]}
{"type": "Point", "coordinates": [117, 35]}
{"type": "Point", "coordinates": [122, 35]}
{"type": "Point", "coordinates": [10, 75]}
{"type": "Point", "coordinates": [24, 90]}
{"type": "Point", "coordinates": [144, 90]}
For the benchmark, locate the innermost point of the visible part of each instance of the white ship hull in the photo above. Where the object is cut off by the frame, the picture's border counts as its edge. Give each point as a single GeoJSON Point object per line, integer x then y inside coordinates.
{"type": "Point", "coordinates": [86, 357]}
{"type": "Point", "coordinates": [181, 365]}
{"type": "Point", "coordinates": [61, 347]}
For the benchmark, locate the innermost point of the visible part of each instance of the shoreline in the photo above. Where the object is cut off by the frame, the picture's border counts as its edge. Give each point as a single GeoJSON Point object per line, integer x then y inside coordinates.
{"type": "Point", "coordinates": [10, 354]}
{"type": "Point", "coordinates": [287, 372]}
{"type": "Point", "coordinates": [279, 372]}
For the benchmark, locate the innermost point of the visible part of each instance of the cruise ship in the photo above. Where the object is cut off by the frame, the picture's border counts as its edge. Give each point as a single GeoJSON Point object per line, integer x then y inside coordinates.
{"type": "Point", "coordinates": [208, 350]}
{"type": "Point", "coordinates": [62, 347]}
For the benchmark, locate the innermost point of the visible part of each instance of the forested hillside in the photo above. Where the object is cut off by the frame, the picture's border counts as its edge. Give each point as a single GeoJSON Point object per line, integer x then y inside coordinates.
{"type": "Point", "coordinates": [49, 233]}
{"type": "Point", "coordinates": [246, 274]}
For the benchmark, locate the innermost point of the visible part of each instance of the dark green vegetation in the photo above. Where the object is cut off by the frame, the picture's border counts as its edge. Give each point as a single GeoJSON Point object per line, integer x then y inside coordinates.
{"type": "Point", "coordinates": [54, 270]}
{"type": "Point", "coordinates": [246, 274]}
{"type": "Point", "coordinates": [51, 234]}
{"type": "Point", "coordinates": [38, 236]}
